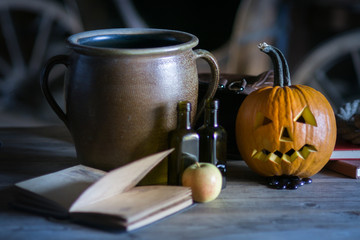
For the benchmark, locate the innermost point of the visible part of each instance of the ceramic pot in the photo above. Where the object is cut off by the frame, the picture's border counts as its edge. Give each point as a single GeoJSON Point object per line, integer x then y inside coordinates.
{"type": "Point", "coordinates": [121, 91]}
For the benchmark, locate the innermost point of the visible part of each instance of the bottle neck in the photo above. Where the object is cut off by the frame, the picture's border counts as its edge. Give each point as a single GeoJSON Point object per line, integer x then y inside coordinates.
{"type": "Point", "coordinates": [211, 117]}
{"type": "Point", "coordinates": [184, 120]}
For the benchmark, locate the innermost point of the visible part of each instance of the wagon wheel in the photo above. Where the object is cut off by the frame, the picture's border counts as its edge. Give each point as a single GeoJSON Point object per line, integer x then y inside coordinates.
{"type": "Point", "coordinates": [30, 32]}
{"type": "Point", "coordinates": [334, 69]}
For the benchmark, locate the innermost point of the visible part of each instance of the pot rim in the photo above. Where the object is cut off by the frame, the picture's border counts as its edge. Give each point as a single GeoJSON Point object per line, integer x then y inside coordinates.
{"type": "Point", "coordinates": [80, 41]}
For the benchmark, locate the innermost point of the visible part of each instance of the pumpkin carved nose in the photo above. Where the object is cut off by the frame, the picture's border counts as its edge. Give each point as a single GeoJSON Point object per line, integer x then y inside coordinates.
{"type": "Point", "coordinates": [285, 135]}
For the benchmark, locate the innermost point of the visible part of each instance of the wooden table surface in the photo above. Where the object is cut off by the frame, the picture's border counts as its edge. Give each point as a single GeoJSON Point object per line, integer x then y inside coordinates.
{"type": "Point", "coordinates": [329, 208]}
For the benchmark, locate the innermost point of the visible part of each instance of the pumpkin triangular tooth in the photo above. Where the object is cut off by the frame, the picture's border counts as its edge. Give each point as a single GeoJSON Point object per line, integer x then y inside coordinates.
{"type": "Point", "coordinates": [260, 155]}
{"type": "Point", "coordinates": [295, 155]}
{"type": "Point", "coordinates": [286, 158]}
{"type": "Point", "coordinates": [253, 152]}
{"type": "Point", "coordinates": [307, 149]}
{"type": "Point", "coordinates": [274, 158]}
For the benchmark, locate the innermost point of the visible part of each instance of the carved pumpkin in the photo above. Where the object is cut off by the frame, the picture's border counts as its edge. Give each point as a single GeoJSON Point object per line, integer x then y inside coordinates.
{"type": "Point", "coordinates": [285, 129]}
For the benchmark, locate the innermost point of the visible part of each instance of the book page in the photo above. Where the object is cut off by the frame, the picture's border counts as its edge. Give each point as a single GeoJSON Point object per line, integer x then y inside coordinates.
{"type": "Point", "coordinates": [119, 180]}
{"type": "Point", "coordinates": [138, 203]}
{"type": "Point", "coordinates": [65, 186]}
{"type": "Point", "coordinates": [345, 150]}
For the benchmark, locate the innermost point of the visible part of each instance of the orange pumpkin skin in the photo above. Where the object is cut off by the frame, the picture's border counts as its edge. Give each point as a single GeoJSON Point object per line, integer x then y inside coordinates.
{"type": "Point", "coordinates": [274, 138]}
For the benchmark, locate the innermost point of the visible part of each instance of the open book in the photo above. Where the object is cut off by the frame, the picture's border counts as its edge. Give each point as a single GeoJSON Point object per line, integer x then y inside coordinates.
{"type": "Point", "coordinates": [103, 199]}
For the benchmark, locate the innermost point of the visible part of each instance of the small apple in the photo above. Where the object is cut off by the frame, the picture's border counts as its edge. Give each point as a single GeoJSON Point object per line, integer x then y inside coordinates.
{"type": "Point", "coordinates": [204, 179]}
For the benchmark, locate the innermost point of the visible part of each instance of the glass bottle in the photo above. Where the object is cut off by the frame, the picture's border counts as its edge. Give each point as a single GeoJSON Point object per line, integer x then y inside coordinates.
{"type": "Point", "coordinates": [185, 140]}
{"type": "Point", "coordinates": [213, 139]}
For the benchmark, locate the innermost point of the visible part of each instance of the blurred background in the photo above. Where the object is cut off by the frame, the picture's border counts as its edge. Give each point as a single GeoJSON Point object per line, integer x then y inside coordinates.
{"type": "Point", "coordinates": [320, 39]}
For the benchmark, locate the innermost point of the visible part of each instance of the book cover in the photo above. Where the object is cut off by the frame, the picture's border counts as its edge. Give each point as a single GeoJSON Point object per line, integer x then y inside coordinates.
{"type": "Point", "coordinates": [350, 168]}
{"type": "Point", "coordinates": [103, 199]}
{"type": "Point", "coordinates": [345, 151]}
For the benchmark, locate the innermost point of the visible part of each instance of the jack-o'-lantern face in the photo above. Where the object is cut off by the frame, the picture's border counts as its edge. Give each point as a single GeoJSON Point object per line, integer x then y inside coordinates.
{"type": "Point", "coordinates": [286, 130]}
{"type": "Point", "coordinates": [285, 135]}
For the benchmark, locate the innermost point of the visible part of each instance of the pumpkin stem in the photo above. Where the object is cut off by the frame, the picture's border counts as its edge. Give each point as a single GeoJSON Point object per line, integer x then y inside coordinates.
{"type": "Point", "coordinates": [278, 64]}
{"type": "Point", "coordinates": [286, 71]}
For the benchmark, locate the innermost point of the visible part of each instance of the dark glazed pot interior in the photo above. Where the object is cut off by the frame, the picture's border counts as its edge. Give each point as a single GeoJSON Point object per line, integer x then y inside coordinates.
{"type": "Point", "coordinates": [136, 40]}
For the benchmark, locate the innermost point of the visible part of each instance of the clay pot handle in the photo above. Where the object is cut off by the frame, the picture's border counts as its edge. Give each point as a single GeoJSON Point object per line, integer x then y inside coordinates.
{"type": "Point", "coordinates": [44, 81]}
{"type": "Point", "coordinates": [213, 84]}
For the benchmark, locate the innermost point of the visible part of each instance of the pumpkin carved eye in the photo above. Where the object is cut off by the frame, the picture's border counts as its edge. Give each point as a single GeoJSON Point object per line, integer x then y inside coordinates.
{"type": "Point", "coordinates": [261, 120]}
{"type": "Point", "coordinates": [306, 117]}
